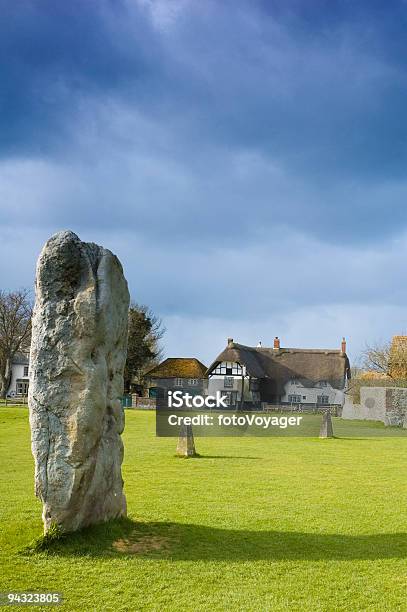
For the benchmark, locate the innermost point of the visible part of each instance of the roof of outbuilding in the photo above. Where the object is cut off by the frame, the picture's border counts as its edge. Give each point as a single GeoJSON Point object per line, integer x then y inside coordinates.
{"type": "Point", "coordinates": [178, 367]}
{"type": "Point", "coordinates": [281, 365]}
{"type": "Point", "coordinates": [20, 359]}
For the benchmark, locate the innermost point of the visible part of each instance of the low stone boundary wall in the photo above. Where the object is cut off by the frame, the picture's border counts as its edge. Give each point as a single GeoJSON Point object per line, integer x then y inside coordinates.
{"type": "Point", "coordinates": [385, 404]}
{"type": "Point", "coordinates": [143, 403]}
{"type": "Point", "coordinates": [334, 410]}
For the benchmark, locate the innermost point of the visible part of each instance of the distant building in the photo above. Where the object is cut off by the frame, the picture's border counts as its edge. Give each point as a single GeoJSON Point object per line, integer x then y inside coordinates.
{"type": "Point", "coordinates": [252, 375]}
{"type": "Point", "coordinates": [177, 373]}
{"type": "Point", "coordinates": [19, 376]}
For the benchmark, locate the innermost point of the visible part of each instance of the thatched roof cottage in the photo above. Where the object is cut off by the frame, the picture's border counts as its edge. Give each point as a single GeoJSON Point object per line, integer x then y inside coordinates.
{"type": "Point", "coordinates": [280, 375]}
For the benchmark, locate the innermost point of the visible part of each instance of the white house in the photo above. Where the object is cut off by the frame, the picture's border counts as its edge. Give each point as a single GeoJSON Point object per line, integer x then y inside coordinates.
{"type": "Point", "coordinates": [251, 375]}
{"type": "Point", "coordinates": [19, 376]}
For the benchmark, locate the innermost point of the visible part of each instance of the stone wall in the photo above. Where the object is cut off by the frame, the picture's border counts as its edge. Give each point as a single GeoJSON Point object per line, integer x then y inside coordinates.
{"type": "Point", "coordinates": [385, 404]}
{"type": "Point", "coordinates": [143, 403]}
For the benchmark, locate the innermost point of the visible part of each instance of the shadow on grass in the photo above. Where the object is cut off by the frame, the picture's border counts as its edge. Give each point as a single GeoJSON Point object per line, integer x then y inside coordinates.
{"type": "Point", "coordinates": [178, 541]}
{"type": "Point", "coordinates": [367, 439]}
{"type": "Point", "coordinates": [226, 457]}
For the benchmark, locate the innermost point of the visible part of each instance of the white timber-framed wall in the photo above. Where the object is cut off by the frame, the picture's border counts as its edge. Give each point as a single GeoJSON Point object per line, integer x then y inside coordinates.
{"type": "Point", "coordinates": [231, 378]}
{"type": "Point", "coordinates": [19, 379]}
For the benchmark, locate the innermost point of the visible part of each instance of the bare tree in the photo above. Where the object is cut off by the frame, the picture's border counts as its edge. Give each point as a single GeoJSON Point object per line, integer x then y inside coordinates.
{"type": "Point", "coordinates": [15, 331]}
{"type": "Point", "coordinates": [377, 357]}
{"type": "Point", "coordinates": [387, 358]}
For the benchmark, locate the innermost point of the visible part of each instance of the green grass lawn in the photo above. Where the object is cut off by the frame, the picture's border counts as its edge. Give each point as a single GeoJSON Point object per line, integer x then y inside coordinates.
{"type": "Point", "coordinates": [254, 524]}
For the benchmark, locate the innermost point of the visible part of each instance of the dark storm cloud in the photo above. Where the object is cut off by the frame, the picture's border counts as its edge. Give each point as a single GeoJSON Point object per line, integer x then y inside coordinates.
{"type": "Point", "coordinates": [319, 91]}
{"type": "Point", "coordinates": [321, 98]}
{"type": "Point", "coordinates": [54, 54]}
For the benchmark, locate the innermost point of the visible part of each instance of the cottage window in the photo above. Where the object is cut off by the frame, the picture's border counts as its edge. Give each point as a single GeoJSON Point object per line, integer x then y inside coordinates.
{"type": "Point", "coordinates": [323, 383]}
{"type": "Point", "coordinates": [228, 382]}
{"type": "Point", "coordinates": [22, 387]}
{"type": "Point", "coordinates": [323, 399]}
{"type": "Point", "coordinates": [294, 399]}
{"type": "Point", "coordinates": [178, 382]}
{"type": "Point", "coordinates": [193, 382]}
{"type": "Point", "coordinates": [228, 368]}
{"type": "Point", "coordinates": [25, 371]}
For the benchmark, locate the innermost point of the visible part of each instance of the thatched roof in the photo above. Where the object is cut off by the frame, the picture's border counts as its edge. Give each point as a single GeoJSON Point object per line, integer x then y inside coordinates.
{"type": "Point", "coordinates": [278, 366]}
{"type": "Point", "coordinates": [178, 367]}
{"type": "Point", "coordinates": [21, 359]}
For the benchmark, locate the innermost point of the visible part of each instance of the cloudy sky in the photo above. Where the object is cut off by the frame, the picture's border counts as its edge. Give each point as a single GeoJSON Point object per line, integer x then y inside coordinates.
{"type": "Point", "coordinates": [246, 160]}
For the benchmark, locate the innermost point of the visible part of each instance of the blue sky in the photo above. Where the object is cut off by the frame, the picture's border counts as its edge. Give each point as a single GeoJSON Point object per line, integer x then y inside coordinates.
{"type": "Point", "coordinates": [245, 160]}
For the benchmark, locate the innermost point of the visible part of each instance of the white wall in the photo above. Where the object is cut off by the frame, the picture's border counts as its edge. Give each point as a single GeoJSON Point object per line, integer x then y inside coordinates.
{"type": "Point", "coordinates": [310, 395]}
{"type": "Point", "coordinates": [356, 411]}
{"type": "Point", "coordinates": [217, 383]}
{"type": "Point", "coordinates": [17, 372]}
{"type": "Point", "coordinates": [372, 405]}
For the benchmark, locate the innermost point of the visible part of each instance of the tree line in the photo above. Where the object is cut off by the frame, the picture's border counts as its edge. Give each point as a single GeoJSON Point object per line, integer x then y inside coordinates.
{"type": "Point", "coordinates": [145, 330]}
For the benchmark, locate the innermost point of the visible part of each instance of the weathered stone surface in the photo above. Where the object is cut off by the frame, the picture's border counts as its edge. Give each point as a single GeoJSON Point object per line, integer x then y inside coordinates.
{"type": "Point", "coordinates": [78, 353]}
{"type": "Point", "coordinates": [186, 443]}
{"type": "Point", "coordinates": [326, 430]}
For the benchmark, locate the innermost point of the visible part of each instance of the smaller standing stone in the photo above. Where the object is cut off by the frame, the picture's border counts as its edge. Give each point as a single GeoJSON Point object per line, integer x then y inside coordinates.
{"type": "Point", "coordinates": [326, 430]}
{"type": "Point", "coordinates": [186, 444]}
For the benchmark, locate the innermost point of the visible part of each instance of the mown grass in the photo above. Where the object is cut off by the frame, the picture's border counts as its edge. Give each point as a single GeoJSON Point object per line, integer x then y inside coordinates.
{"type": "Point", "coordinates": [254, 524]}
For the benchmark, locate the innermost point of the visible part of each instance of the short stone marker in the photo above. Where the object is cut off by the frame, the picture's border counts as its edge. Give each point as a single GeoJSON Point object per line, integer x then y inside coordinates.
{"type": "Point", "coordinates": [326, 430]}
{"type": "Point", "coordinates": [186, 443]}
{"type": "Point", "coordinates": [78, 352]}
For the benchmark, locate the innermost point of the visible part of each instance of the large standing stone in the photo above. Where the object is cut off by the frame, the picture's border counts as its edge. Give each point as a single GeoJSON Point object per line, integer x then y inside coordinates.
{"type": "Point", "coordinates": [78, 352]}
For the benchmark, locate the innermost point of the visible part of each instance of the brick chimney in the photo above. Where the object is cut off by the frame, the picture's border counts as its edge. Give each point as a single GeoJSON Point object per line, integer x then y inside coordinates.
{"type": "Point", "coordinates": [230, 341]}
{"type": "Point", "coordinates": [343, 346]}
{"type": "Point", "coordinates": [276, 344]}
